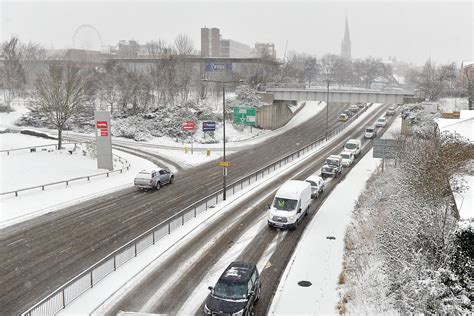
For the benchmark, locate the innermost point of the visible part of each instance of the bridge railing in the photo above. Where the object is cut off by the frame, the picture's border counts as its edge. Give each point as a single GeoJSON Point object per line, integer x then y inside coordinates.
{"type": "Point", "coordinates": [68, 292]}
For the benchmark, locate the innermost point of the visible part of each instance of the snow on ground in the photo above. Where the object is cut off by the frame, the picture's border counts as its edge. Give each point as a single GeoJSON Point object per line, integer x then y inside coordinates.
{"type": "Point", "coordinates": [465, 200]}
{"type": "Point", "coordinates": [449, 105]}
{"type": "Point", "coordinates": [8, 119]}
{"type": "Point", "coordinates": [465, 127]}
{"type": "Point", "coordinates": [318, 259]}
{"type": "Point", "coordinates": [17, 140]}
{"type": "Point", "coordinates": [44, 167]}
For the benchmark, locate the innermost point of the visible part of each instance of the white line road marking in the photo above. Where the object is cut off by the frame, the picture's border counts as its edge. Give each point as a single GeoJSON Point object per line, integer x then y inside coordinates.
{"type": "Point", "coordinates": [264, 261]}
{"type": "Point", "coordinates": [15, 242]}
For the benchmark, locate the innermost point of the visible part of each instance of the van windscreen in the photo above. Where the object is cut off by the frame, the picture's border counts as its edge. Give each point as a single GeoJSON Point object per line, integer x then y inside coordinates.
{"type": "Point", "coordinates": [282, 204]}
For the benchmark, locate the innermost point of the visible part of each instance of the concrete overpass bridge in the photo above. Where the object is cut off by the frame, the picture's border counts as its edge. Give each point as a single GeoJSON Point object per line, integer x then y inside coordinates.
{"type": "Point", "coordinates": [343, 96]}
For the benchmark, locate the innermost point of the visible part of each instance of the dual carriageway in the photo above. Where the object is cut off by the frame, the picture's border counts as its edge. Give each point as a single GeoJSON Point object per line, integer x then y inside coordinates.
{"type": "Point", "coordinates": [50, 250]}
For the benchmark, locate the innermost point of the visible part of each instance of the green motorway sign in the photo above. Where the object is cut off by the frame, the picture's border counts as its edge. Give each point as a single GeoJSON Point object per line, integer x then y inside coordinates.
{"type": "Point", "coordinates": [245, 115]}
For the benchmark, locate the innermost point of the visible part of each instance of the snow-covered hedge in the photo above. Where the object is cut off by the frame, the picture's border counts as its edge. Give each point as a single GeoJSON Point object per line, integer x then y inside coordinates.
{"type": "Point", "coordinates": [405, 250]}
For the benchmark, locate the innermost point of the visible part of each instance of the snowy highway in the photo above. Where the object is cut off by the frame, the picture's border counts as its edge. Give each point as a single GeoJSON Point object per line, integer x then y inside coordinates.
{"type": "Point", "coordinates": [46, 252]}
{"type": "Point", "coordinates": [91, 230]}
{"type": "Point", "coordinates": [178, 282]}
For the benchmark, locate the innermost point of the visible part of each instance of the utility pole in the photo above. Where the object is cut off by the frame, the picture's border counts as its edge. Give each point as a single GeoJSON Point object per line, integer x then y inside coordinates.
{"type": "Point", "coordinates": [327, 104]}
{"type": "Point", "coordinates": [224, 172]}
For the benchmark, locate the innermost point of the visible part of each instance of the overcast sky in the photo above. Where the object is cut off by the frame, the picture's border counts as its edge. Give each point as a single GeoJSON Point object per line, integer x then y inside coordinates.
{"type": "Point", "coordinates": [411, 31]}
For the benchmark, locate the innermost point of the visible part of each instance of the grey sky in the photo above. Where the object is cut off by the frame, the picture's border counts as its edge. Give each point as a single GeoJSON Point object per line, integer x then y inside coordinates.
{"type": "Point", "coordinates": [411, 31]}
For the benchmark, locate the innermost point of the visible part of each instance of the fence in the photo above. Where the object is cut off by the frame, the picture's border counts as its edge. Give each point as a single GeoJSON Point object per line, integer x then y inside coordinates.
{"type": "Point", "coordinates": [33, 148]}
{"type": "Point", "coordinates": [124, 162]}
{"type": "Point", "coordinates": [64, 295]}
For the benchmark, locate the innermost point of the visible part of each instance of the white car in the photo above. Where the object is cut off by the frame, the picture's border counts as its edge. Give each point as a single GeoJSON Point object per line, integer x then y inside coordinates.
{"type": "Point", "coordinates": [317, 185]}
{"type": "Point", "coordinates": [354, 146]}
{"type": "Point", "coordinates": [347, 158]}
{"type": "Point", "coordinates": [381, 122]}
{"type": "Point", "coordinates": [370, 132]}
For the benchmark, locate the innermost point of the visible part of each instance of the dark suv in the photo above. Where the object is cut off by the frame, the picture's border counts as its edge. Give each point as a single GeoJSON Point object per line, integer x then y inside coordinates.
{"type": "Point", "coordinates": [236, 291]}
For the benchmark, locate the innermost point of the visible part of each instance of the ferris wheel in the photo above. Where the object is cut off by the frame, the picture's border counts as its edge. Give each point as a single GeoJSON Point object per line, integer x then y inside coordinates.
{"type": "Point", "coordinates": [87, 37]}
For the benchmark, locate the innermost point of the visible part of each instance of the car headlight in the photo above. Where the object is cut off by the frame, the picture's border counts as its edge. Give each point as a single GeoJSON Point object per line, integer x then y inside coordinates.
{"type": "Point", "coordinates": [239, 313]}
{"type": "Point", "coordinates": [206, 309]}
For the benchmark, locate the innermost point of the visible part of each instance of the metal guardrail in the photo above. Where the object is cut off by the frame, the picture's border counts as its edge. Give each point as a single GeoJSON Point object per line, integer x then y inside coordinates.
{"type": "Point", "coordinates": [34, 147]}
{"type": "Point", "coordinates": [68, 292]}
{"type": "Point", "coordinates": [125, 165]}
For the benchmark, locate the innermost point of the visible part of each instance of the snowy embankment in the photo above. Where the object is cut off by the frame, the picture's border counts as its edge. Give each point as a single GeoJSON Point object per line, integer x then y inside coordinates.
{"type": "Point", "coordinates": [236, 139]}
{"type": "Point", "coordinates": [22, 169]}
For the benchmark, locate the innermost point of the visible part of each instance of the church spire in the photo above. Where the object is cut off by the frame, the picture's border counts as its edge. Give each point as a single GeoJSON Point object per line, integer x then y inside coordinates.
{"type": "Point", "coordinates": [347, 35]}
{"type": "Point", "coordinates": [346, 43]}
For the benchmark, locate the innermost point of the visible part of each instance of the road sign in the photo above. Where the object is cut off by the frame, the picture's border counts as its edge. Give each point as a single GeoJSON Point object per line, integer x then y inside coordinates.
{"type": "Point", "coordinates": [223, 164]}
{"type": "Point", "coordinates": [208, 126]}
{"type": "Point", "coordinates": [102, 128]}
{"type": "Point", "coordinates": [385, 148]}
{"type": "Point", "coordinates": [189, 126]}
{"type": "Point", "coordinates": [210, 67]}
{"type": "Point", "coordinates": [245, 115]}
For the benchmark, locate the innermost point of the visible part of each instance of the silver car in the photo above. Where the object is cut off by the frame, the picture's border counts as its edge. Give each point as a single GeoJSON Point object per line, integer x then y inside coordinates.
{"type": "Point", "coordinates": [153, 179]}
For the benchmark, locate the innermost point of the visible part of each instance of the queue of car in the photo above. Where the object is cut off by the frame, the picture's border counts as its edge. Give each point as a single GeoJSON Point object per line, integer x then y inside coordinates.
{"type": "Point", "coordinates": [351, 111]}
{"type": "Point", "coordinates": [238, 289]}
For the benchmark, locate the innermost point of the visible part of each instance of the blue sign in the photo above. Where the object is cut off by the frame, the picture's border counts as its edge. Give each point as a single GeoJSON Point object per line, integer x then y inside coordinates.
{"type": "Point", "coordinates": [208, 126]}
{"type": "Point", "coordinates": [218, 67]}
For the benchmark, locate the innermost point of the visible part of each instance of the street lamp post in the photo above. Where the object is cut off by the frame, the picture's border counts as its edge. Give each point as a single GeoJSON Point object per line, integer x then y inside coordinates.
{"type": "Point", "coordinates": [327, 104]}
{"type": "Point", "coordinates": [224, 174]}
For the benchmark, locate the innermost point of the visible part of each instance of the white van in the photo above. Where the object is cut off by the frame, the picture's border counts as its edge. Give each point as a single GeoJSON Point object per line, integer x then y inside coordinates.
{"type": "Point", "coordinates": [290, 204]}
{"type": "Point", "coordinates": [370, 132]}
{"type": "Point", "coordinates": [354, 146]}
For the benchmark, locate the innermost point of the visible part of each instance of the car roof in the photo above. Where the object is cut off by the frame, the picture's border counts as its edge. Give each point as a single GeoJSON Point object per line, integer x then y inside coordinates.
{"type": "Point", "coordinates": [313, 178]}
{"type": "Point", "coordinates": [346, 152]}
{"type": "Point", "coordinates": [238, 272]}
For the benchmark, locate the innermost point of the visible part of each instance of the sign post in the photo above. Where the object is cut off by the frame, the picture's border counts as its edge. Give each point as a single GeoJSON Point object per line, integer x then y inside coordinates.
{"type": "Point", "coordinates": [245, 116]}
{"type": "Point", "coordinates": [190, 126]}
{"type": "Point", "coordinates": [385, 149]}
{"type": "Point", "coordinates": [103, 140]}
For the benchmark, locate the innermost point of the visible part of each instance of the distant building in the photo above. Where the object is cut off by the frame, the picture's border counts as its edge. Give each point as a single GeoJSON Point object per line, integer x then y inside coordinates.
{"type": "Point", "coordinates": [231, 48]}
{"type": "Point", "coordinates": [263, 50]}
{"type": "Point", "coordinates": [210, 42]}
{"type": "Point", "coordinates": [346, 43]}
{"type": "Point", "coordinates": [128, 49]}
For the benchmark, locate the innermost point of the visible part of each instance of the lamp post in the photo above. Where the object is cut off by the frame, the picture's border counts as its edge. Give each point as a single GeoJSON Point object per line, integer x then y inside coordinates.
{"type": "Point", "coordinates": [327, 104]}
{"type": "Point", "coordinates": [224, 173]}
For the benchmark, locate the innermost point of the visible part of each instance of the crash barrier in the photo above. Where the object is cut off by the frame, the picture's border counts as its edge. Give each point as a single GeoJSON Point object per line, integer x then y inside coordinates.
{"type": "Point", "coordinates": [123, 161]}
{"type": "Point", "coordinates": [32, 149]}
{"type": "Point", "coordinates": [65, 294]}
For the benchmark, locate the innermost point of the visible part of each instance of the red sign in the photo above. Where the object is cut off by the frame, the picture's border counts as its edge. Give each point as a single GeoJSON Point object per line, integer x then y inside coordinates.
{"type": "Point", "coordinates": [189, 126]}
{"type": "Point", "coordinates": [101, 124]}
{"type": "Point", "coordinates": [102, 128]}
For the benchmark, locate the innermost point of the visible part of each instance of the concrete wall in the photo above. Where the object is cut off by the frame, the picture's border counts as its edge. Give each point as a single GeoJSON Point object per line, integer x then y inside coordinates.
{"type": "Point", "coordinates": [274, 115]}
